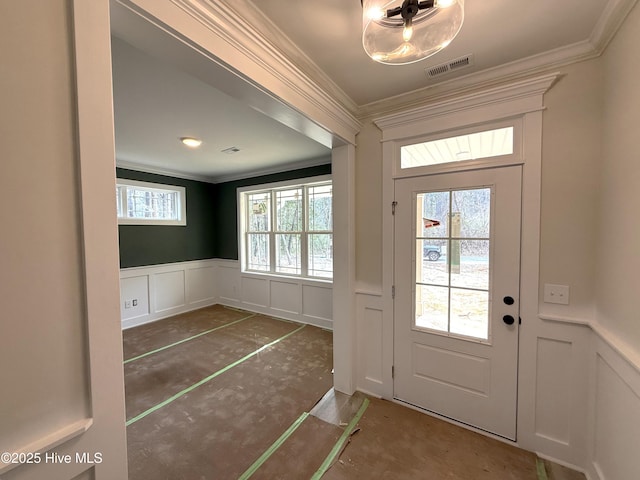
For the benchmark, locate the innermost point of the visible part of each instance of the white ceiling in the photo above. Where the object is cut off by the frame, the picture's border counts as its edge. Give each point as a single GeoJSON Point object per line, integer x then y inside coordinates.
{"type": "Point", "coordinates": [156, 102]}
{"type": "Point", "coordinates": [496, 32]}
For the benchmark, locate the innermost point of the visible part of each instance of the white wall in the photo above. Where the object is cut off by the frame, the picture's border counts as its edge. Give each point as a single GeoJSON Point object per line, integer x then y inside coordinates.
{"type": "Point", "coordinates": [165, 290]}
{"type": "Point", "coordinates": [618, 267]}
{"type": "Point", "coordinates": [369, 208]}
{"type": "Point", "coordinates": [615, 402]}
{"type": "Point", "coordinates": [577, 388]}
{"type": "Point", "coordinates": [61, 355]}
{"type": "Point", "coordinates": [571, 157]}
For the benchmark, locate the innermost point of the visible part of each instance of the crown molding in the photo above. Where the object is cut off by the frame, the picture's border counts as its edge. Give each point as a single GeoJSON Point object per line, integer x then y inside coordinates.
{"type": "Point", "coordinates": [279, 40]}
{"type": "Point", "coordinates": [605, 29]}
{"type": "Point", "coordinates": [312, 162]}
{"type": "Point", "coordinates": [139, 167]}
{"type": "Point", "coordinates": [250, 45]}
{"type": "Point", "coordinates": [514, 98]}
{"type": "Point", "coordinates": [259, 52]}
{"type": "Point", "coordinates": [509, 72]}
{"type": "Point", "coordinates": [613, 15]}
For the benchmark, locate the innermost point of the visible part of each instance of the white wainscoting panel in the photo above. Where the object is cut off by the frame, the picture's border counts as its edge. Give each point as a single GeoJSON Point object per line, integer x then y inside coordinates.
{"type": "Point", "coordinates": [285, 296]}
{"type": "Point", "coordinates": [134, 289]}
{"type": "Point", "coordinates": [255, 291]}
{"type": "Point", "coordinates": [582, 384]}
{"type": "Point", "coordinates": [227, 277]}
{"type": "Point", "coordinates": [165, 290]}
{"type": "Point", "coordinates": [317, 302]}
{"type": "Point", "coordinates": [615, 415]}
{"type": "Point", "coordinates": [199, 284]}
{"type": "Point", "coordinates": [553, 389]}
{"type": "Point", "coordinates": [369, 325]}
{"type": "Point", "coordinates": [297, 299]}
{"type": "Point", "coordinates": [169, 291]}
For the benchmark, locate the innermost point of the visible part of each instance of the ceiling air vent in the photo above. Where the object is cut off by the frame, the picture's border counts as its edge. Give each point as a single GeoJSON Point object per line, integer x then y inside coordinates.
{"type": "Point", "coordinates": [450, 66]}
{"type": "Point", "coordinates": [230, 150]}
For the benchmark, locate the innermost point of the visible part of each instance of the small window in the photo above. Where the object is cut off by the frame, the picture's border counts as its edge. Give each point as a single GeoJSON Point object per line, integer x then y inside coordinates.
{"type": "Point", "coordinates": [490, 143]}
{"type": "Point", "coordinates": [287, 228]}
{"type": "Point", "coordinates": [143, 203]}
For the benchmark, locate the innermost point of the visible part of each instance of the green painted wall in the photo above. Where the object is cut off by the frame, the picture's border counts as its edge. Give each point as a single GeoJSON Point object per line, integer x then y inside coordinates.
{"type": "Point", "coordinates": [156, 244]}
{"type": "Point", "coordinates": [212, 221]}
{"type": "Point", "coordinates": [226, 217]}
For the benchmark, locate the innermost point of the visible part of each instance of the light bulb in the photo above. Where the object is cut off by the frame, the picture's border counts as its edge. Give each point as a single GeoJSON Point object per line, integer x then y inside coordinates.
{"type": "Point", "coordinates": [375, 13]}
{"type": "Point", "coordinates": [444, 3]}
{"type": "Point", "coordinates": [191, 142]}
{"type": "Point", "coordinates": [407, 33]}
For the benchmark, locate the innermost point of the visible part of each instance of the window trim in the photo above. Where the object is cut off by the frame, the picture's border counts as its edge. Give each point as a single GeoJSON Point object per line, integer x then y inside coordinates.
{"type": "Point", "coordinates": [243, 221]}
{"type": "Point", "coordinates": [121, 198]}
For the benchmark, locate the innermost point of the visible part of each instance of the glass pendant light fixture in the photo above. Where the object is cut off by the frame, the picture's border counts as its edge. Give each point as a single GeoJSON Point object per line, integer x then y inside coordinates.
{"type": "Point", "coordinates": [398, 32]}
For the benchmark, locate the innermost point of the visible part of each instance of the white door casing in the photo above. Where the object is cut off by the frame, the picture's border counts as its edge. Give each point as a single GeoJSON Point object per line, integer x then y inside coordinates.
{"type": "Point", "coordinates": [521, 100]}
{"type": "Point", "coordinates": [461, 368]}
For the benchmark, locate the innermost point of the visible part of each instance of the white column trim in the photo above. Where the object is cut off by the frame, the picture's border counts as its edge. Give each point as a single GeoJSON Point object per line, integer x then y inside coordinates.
{"type": "Point", "coordinates": [96, 165]}
{"type": "Point", "coordinates": [344, 269]}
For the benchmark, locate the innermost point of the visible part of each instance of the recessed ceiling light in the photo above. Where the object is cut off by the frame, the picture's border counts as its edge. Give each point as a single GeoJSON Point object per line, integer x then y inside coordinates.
{"type": "Point", "coordinates": [191, 142]}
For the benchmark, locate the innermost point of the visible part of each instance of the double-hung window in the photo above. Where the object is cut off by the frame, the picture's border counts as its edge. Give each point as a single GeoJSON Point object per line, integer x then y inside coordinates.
{"type": "Point", "coordinates": [144, 203]}
{"type": "Point", "coordinates": [287, 229]}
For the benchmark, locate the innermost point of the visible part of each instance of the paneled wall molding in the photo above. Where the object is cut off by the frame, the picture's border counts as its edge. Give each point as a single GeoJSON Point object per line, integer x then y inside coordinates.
{"type": "Point", "coordinates": [369, 328]}
{"type": "Point", "coordinates": [628, 353]}
{"type": "Point", "coordinates": [160, 291]}
{"type": "Point", "coordinates": [614, 414]}
{"type": "Point", "coordinates": [292, 298]}
{"type": "Point", "coordinates": [586, 389]}
{"type": "Point", "coordinates": [564, 319]}
{"type": "Point", "coordinates": [366, 289]}
{"type": "Point", "coordinates": [48, 442]}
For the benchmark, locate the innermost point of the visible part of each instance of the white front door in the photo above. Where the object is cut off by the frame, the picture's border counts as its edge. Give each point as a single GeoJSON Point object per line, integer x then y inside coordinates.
{"type": "Point", "coordinates": [456, 283]}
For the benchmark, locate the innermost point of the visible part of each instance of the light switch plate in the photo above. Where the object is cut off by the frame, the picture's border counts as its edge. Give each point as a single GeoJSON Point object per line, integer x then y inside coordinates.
{"type": "Point", "coordinates": [556, 294]}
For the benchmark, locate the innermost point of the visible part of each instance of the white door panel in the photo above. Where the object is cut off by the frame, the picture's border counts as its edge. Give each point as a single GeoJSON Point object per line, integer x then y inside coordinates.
{"type": "Point", "coordinates": [457, 256]}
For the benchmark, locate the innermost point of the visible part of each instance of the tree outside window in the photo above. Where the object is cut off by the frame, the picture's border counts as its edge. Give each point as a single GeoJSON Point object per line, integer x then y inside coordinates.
{"type": "Point", "coordinates": [289, 230]}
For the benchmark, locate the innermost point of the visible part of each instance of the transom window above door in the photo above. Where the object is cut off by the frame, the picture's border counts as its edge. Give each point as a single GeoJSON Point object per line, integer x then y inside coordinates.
{"type": "Point", "coordinates": [490, 145]}
{"type": "Point", "coordinates": [472, 146]}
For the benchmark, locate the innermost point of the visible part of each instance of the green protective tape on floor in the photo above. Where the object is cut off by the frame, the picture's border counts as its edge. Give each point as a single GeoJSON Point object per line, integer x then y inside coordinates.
{"type": "Point", "coordinates": [271, 450]}
{"type": "Point", "coordinates": [337, 448]}
{"type": "Point", "coordinates": [209, 378]}
{"type": "Point", "coordinates": [542, 471]}
{"type": "Point", "coordinates": [188, 339]}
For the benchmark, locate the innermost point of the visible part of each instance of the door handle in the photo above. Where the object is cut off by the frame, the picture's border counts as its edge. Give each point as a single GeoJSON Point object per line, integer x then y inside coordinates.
{"type": "Point", "coordinates": [508, 319]}
{"type": "Point", "coordinates": [508, 300]}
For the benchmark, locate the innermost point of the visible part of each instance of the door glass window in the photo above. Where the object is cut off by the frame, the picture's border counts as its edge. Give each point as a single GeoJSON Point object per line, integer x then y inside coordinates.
{"type": "Point", "coordinates": [453, 244]}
